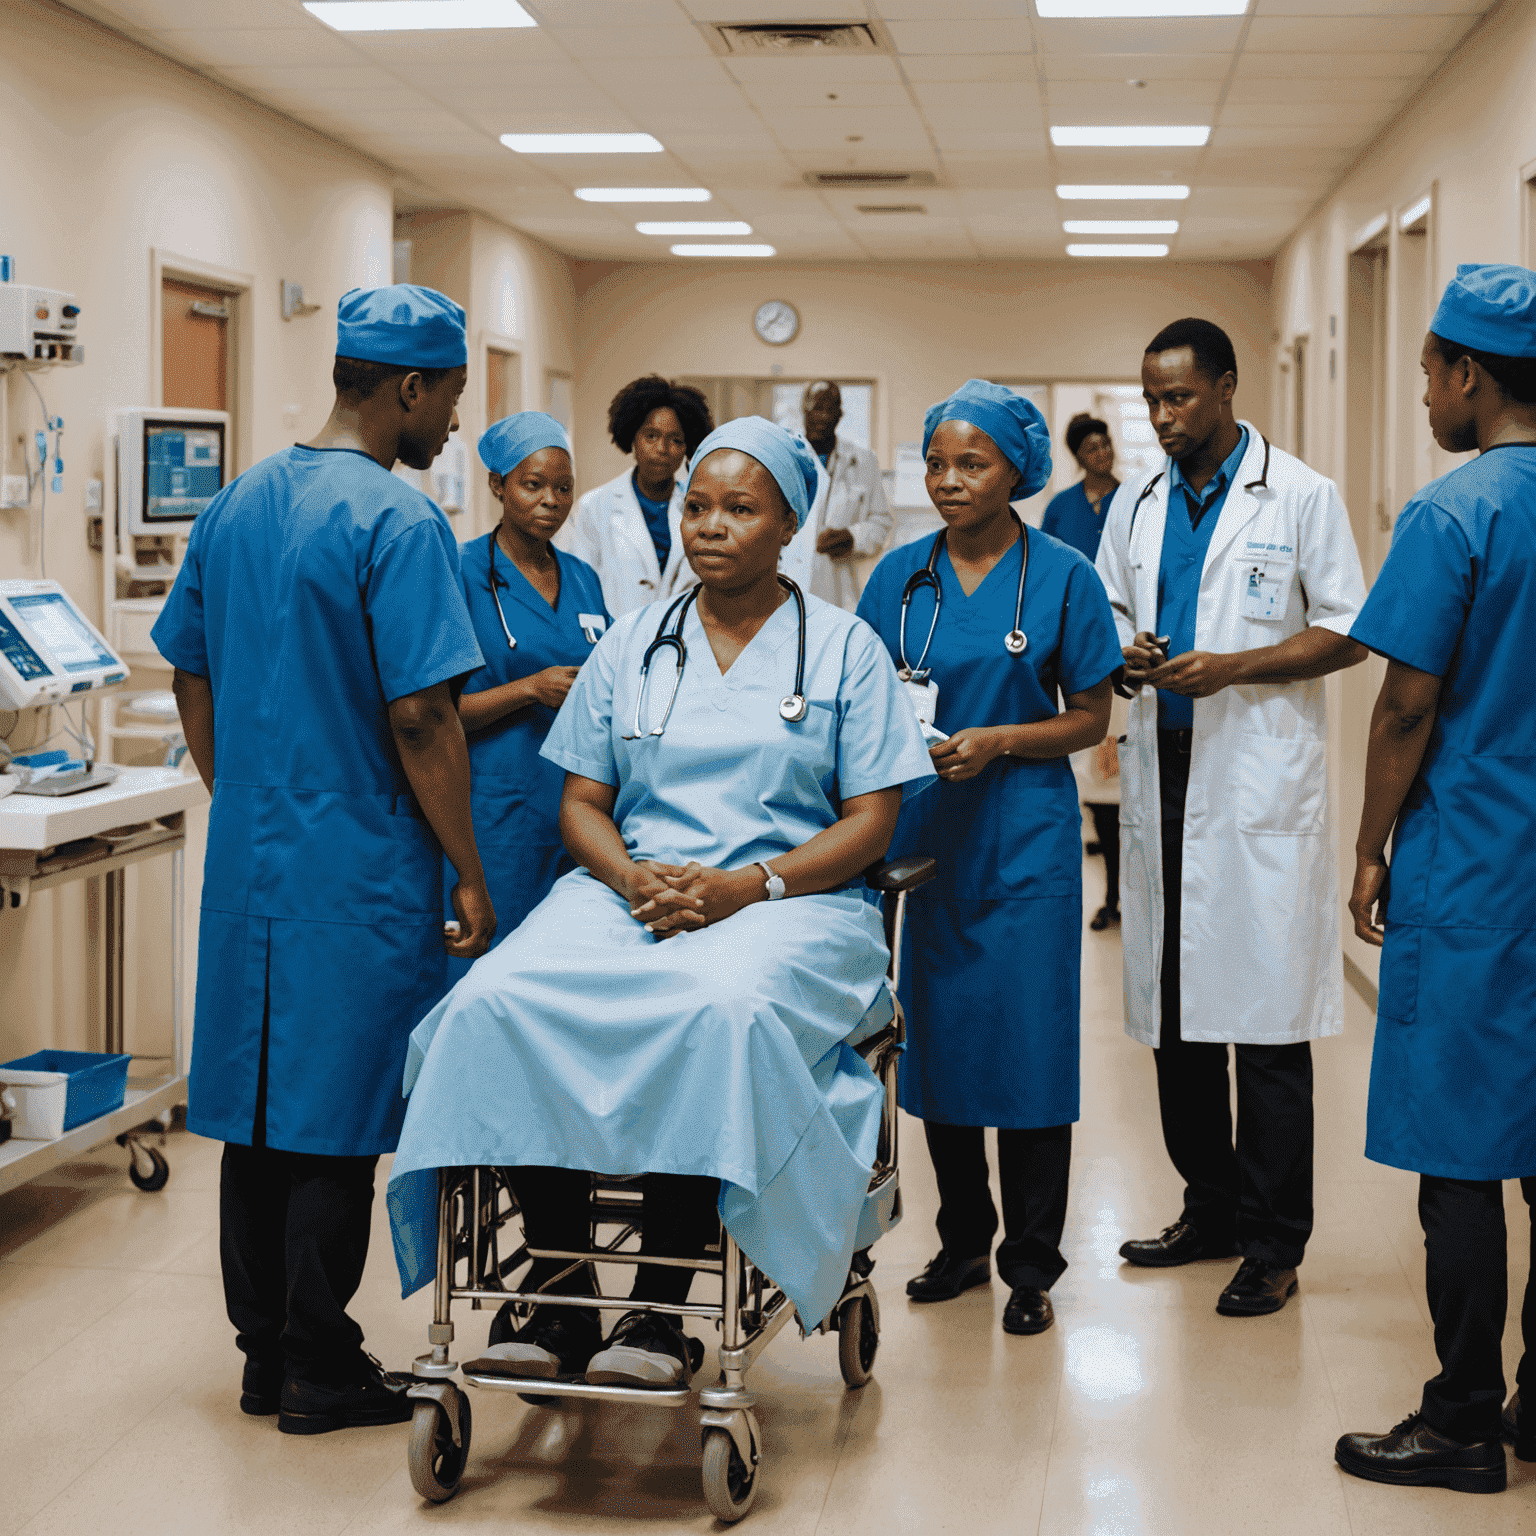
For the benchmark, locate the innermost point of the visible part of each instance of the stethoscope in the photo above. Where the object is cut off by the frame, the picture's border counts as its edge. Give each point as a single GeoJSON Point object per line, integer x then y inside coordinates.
{"type": "Point", "coordinates": [1014, 642]}
{"type": "Point", "coordinates": [589, 631]}
{"type": "Point", "coordinates": [1261, 484]}
{"type": "Point", "coordinates": [669, 636]}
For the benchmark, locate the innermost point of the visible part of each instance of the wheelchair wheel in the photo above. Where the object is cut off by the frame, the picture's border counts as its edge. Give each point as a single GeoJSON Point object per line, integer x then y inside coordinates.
{"type": "Point", "coordinates": [729, 1484]}
{"type": "Point", "coordinates": [436, 1463]}
{"type": "Point", "coordinates": [857, 1341]}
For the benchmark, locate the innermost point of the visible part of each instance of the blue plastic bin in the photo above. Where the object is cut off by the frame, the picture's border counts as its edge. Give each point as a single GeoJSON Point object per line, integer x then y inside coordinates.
{"type": "Point", "coordinates": [97, 1082]}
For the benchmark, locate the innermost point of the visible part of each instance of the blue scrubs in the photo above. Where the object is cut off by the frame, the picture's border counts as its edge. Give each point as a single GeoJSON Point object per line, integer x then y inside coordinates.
{"type": "Point", "coordinates": [1453, 1072]}
{"type": "Point", "coordinates": [1192, 518]}
{"type": "Point", "coordinates": [585, 1042]}
{"type": "Point", "coordinates": [514, 792]}
{"type": "Point", "coordinates": [989, 971]}
{"type": "Point", "coordinates": [1071, 518]}
{"type": "Point", "coordinates": [318, 588]}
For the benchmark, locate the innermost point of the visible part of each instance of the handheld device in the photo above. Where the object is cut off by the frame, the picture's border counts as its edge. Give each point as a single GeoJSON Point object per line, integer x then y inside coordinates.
{"type": "Point", "coordinates": [49, 650]}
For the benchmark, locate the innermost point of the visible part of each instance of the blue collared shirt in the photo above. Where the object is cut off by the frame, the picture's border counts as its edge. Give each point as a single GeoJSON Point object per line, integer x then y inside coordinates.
{"type": "Point", "coordinates": [1192, 518]}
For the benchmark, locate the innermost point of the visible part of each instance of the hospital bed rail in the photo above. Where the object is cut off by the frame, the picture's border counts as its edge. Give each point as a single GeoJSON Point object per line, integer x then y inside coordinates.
{"type": "Point", "coordinates": [476, 1204]}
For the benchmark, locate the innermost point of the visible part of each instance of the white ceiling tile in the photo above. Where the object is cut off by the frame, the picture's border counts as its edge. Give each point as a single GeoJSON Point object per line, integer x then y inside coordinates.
{"type": "Point", "coordinates": [1282, 139]}
{"type": "Point", "coordinates": [558, 115]}
{"type": "Point", "coordinates": [1116, 101]}
{"type": "Point", "coordinates": [738, 11]}
{"type": "Point", "coordinates": [674, 42]}
{"type": "Point", "coordinates": [1121, 66]}
{"type": "Point", "coordinates": [950, 10]}
{"type": "Point", "coordinates": [275, 45]}
{"type": "Point", "coordinates": [499, 78]}
{"type": "Point", "coordinates": [1470, 9]}
{"type": "Point", "coordinates": [414, 119]}
{"type": "Point", "coordinates": [203, 16]}
{"type": "Point", "coordinates": [810, 73]}
{"type": "Point", "coordinates": [1384, 92]}
{"type": "Point", "coordinates": [1352, 34]}
{"type": "Point", "coordinates": [977, 68]}
{"type": "Point", "coordinates": [603, 13]}
{"type": "Point", "coordinates": [1012, 105]}
{"type": "Point", "coordinates": [1408, 67]}
{"type": "Point", "coordinates": [998, 176]}
{"type": "Point", "coordinates": [312, 78]}
{"type": "Point", "coordinates": [1185, 35]}
{"type": "Point", "coordinates": [795, 93]}
{"type": "Point", "coordinates": [410, 50]}
{"type": "Point", "coordinates": [918, 37]}
{"type": "Point", "coordinates": [1347, 117]}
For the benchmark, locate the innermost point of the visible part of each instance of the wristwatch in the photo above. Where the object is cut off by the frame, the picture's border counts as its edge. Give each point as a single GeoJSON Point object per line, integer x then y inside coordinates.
{"type": "Point", "coordinates": [775, 882]}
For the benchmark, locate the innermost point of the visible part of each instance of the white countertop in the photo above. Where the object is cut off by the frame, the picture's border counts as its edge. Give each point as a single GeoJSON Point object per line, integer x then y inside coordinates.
{"type": "Point", "coordinates": [32, 822]}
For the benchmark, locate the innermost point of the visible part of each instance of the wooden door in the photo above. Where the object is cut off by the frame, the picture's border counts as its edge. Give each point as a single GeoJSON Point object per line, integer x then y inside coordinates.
{"type": "Point", "coordinates": [195, 331]}
{"type": "Point", "coordinates": [503, 384]}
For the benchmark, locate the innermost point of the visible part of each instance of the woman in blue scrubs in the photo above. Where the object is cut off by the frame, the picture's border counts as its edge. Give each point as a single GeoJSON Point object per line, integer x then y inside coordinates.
{"type": "Point", "coordinates": [1076, 515]}
{"type": "Point", "coordinates": [537, 614]}
{"type": "Point", "coordinates": [989, 972]}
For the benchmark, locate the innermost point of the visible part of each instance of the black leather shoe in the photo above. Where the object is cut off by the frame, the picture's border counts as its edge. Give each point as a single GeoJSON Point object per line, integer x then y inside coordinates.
{"type": "Point", "coordinates": [375, 1396]}
{"type": "Point", "coordinates": [945, 1278]}
{"type": "Point", "coordinates": [261, 1388]}
{"type": "Point", "coordinates": [1028, 1311]}
{"type": "Point", "coordinates": [1179, 1244]}
{"type": "Point", "coordinates": [1515, 1432]}
{"type": "Point", "coordinates": [1257, 1289]}
{"type": "Point", "coordinates": [555, 1342]}
{"type": "Point", "coordinates": [1104, 917]}
{"type": "Point", "coordinates": [1416, 1456]}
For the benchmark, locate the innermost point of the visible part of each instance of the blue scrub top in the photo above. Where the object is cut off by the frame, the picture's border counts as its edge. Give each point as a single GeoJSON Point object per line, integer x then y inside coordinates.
{"type": "Point", "coordinates": [657, 520]}
{"type": "Point", "coordinates": [317, 589]}
{"type": "Point", "coordinates": [1192, 518]}
{"type": "Point", "coordinates": [1071, 518]}
{"type": "Point", "coordinates": [515, 793]}
{"type": "Point", "coordinates": [1452, 1085]}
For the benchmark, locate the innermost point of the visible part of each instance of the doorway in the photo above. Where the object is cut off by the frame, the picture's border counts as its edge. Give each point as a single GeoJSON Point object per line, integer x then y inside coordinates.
{"type": "Point", "coordinates": [196, 355]}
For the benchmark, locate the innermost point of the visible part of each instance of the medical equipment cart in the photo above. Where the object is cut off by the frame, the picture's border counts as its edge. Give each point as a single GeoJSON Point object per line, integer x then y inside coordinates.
{"type": "Point", "coordinates": [95, 835]}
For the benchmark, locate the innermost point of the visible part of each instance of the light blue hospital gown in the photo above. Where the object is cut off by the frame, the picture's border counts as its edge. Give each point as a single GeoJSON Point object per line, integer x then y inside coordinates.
{"type": "Point", "coordinates": [584, 1042]}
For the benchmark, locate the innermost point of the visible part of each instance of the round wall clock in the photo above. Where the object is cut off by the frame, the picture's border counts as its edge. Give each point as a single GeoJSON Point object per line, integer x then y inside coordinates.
{"type": "Point", "coordinates": [776, 322]}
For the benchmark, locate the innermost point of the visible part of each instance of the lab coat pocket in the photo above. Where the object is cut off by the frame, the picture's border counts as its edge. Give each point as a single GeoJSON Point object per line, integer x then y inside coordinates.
{"type": "Point", "coordinates": [1281, 784]}
{"type": "Point", "coordinates": [1130, 782]}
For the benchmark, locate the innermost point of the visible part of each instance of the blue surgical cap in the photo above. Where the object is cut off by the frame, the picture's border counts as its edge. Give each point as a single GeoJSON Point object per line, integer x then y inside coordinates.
{"type": "Point", "coordinates": [1490, 307]}
{"type": "Point", "coordinates": [785, 455]}
{"type": "Point", "coordinates": [1011, 421]}
{"type": "Point", "coordinates": [407, 326]}
{"type": "Point", "coordinates": [505, 444]}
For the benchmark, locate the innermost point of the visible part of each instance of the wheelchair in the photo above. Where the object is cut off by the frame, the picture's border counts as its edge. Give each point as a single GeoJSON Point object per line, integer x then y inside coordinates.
{"type": "Point", "coordinates": [476, 1205]}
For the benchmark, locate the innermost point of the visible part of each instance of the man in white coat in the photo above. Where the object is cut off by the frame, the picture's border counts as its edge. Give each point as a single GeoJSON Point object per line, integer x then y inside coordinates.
{"type": "Point", "coordinates": [1235, 580]}
{"type": "Point", "coordinates": [628, 529]}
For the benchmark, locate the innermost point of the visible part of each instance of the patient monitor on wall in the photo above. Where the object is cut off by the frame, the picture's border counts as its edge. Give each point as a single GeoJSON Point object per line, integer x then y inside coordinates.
{"type": "Point", "coordinates": [170, 465]}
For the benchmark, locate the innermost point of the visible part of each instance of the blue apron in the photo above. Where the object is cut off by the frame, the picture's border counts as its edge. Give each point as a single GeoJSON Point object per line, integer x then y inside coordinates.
{"type": "Point", "coordinates": [1453, 1070]}
{"type": "Point", "coordinates": [515, 793]}
{"type": "Point", "coordinates": [318, 588]}
{"type": "Point", "coordinates": [1070, 517]}
{"type": "Point", "coordinates": [990, 958]}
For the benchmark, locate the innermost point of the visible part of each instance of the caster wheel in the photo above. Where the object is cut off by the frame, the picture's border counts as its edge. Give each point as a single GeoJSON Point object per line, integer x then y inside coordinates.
{"type": "Point", "coordinates": [857, 1341]}
{"type": "Point", "coordinates": [436, 1463]}
{"type": "Point", "coordinates": [157, 1175]}
{"type": "Point", "coordinates": [729, 1484]}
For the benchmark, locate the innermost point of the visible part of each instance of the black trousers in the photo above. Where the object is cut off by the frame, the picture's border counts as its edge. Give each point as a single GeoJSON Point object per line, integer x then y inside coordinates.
{"type": "Point", "coordinates": [1256, 1189]}
{"type": "Point", "coordinates": [680, 1221]}
{"type": "Point", "coordinates": [1468, 1285]}
{"type": "Point", "coordinates": [1106, 828]}
{"type": "Point", "coordinates": [293, 1237]}
{"type": "Point", "coordinates": [1032, 1166]}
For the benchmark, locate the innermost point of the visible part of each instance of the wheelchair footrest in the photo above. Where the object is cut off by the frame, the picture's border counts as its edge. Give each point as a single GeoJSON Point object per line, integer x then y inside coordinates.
{"type": "Point", "coordinates": [655, 1397]}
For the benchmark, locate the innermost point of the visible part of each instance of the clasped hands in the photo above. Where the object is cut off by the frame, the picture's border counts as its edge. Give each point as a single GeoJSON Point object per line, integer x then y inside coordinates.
{"type": "Point", "coordinates": [1196, 674]}
{"type": "Point", "coordinates": [678, 898]}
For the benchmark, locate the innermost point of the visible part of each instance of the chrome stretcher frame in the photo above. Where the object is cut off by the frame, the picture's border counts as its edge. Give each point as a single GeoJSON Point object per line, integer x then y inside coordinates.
{"type": "Point", "coordinates": [475, 1204]}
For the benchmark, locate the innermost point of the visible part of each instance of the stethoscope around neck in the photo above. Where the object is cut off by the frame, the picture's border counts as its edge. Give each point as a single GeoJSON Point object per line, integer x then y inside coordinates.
{"type": "Point", "coordinates": [1014, 642]}
{"type": "Point", "coordinates": [496, 597]}
{"type": "Point", "coordinates": [669, 636]}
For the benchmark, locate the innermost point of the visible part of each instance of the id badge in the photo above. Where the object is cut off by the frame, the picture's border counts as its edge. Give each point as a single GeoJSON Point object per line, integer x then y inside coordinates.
{"type": "Point", "coordinates": [1264, 591]}
{"type": "Point", "coordinates": [592, 626]}
{"type": "Point", "coordinates": [925, 700]}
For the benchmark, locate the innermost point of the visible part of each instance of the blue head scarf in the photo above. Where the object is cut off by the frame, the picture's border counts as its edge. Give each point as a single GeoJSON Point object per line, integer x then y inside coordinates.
{"type": "Point", "coordinates": [785, 455]}
{"type": "Point", "coordinates": [1015, 425]}
{"type": "Point", "coordinates": [407, 326]}
{"type": "Point", "coordinates": [1489, 307]}
{"type": "Point", "coordinates": [505, 444]}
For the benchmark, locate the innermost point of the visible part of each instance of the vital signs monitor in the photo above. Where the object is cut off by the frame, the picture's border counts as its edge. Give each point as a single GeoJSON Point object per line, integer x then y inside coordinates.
{"type": "Point", "coordinates": [171, 464]}
{"type": "Point", "coordinates": [49, 650]}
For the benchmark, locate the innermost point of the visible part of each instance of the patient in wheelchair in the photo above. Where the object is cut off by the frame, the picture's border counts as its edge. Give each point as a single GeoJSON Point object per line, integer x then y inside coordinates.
{"type": "Point", "coordinates": [679, 1006]}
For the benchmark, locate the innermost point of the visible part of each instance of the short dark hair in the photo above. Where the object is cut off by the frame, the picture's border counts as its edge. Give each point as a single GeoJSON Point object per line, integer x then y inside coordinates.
{"type": "Point", "coordinates": [629, 408]}
{"type": "Point", "coordinates": [1210, 344]}
{"type": "Point", "coordinates": [1516, 376]}
{"type": "Point", "coordinates": [1081, 428]}
{"type": "Point", "coordinates": [357, 380]}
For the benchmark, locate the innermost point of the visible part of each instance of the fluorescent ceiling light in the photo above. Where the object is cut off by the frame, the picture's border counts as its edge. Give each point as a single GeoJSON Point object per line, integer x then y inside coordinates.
{"type": "Point", "coordinates": [1138, 135]}
{"type": "Point", "coordinates": [582, 143]}
{"type": "Point", "coordinates": [643, 194]}
{"type": "Point", "coordinates": [1131, 8]}
{"type": "Point", "coordinates": [1117, 250]}
{"type": "Point", "coordinates": [419, 15]}
{"type": "Point", "coordinates": [1157, 193]}
{"type": "Point", "coordinates": [1121, 226]}
{"type": "Point", "coordinates": [702, 227]}
{"type": "Point", "coordinates": [722, 250]}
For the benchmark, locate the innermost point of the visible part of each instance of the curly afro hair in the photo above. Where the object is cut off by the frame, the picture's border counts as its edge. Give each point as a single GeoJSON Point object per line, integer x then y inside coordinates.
{"type": "Point", "coordinates": [636, 401]}
{"type": "Point", "coordinates": [1081, 428]}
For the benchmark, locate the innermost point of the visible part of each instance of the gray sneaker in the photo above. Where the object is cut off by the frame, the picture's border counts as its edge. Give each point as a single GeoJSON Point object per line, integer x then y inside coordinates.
{"type": "Point", "coordinates": [646, 1349]}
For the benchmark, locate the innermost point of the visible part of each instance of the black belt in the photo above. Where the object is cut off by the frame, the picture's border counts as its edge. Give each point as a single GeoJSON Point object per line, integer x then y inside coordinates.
{"type": "Point", "coordinates": [1179, 741]}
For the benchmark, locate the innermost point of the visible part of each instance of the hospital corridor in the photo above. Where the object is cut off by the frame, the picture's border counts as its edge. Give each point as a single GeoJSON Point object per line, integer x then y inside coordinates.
{"type": "Point", "coordinates": [768, 764]}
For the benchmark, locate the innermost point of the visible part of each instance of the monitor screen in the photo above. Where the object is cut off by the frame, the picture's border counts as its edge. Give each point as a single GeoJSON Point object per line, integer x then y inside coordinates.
{"type": "Point", "coordinates": [183, 469]}
{"type": "Point", "coordinates": [15, 649]}
{"type": "Point", "coordinates": [63, 633]}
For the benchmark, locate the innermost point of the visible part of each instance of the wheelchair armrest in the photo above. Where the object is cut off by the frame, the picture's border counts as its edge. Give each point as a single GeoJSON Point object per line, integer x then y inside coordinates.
{"type": "Point", "coordinates": [906, 874]}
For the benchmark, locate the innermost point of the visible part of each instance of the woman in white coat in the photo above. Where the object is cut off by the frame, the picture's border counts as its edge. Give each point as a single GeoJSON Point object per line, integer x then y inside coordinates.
{"type": "Point", "coordinates": [628, 530]}
{"type": "Point", "coordinates": [1235, 579]}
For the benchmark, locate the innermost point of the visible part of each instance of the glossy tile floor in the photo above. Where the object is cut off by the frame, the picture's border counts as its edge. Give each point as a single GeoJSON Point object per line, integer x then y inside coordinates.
{"type": "Point", "coordinates": [1141, 1412]}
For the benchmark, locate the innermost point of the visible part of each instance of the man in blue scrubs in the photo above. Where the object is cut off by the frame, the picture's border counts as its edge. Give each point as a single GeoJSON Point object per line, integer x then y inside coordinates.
{"type": "Point", "coordinates": [1451, 777]}
{"type": "Point", "coordinates": [319, 636]}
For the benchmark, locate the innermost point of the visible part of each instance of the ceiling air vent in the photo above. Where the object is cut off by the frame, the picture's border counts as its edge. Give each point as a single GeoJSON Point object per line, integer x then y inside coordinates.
{"type": "Point", "coordinates": [889, 181]}
{"type": "Point", "coordinates": [792, 39]}
{"type": "Point", "coordinates": [891, 208]}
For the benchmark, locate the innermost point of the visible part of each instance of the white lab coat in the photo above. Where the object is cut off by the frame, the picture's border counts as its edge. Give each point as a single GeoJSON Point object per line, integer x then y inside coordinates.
{"type": "Point", "coordinates": [851, 496]}
{"type": "Point", "coordinates": [608, 530]}
{"type": "Point", "coordinates": [1259, 952]}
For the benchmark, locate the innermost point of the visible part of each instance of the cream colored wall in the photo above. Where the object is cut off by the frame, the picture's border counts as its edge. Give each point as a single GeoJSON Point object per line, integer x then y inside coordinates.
{"type": "Point", "coordinates": [111, 152]}
{"type": "Point", "coordinates": [917, 330]}
{"type": "Point", "coordinates": [1469, 140]}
